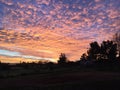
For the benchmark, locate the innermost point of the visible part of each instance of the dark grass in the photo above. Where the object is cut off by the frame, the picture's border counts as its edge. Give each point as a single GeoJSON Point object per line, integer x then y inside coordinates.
{"type": "Point", "coordinates": [65, 79]}
{"type": "Point", "coordinates": [60, 77]}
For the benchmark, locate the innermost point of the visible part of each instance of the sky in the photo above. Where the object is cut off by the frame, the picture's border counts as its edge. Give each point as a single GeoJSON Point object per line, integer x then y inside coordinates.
{"type": "Point", "coordinates": [42, 29]}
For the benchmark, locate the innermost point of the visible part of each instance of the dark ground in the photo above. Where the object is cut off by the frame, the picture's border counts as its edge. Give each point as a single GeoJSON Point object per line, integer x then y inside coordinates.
{"type": "Point", "coordinates": [63, 80]}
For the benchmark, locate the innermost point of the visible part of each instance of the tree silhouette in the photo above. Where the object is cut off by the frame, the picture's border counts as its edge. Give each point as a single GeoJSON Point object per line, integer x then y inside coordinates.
{"type": "Point", "coordinates": [62, 59]}
{"type": "Point", "coordinates": [116, 39]}
{"type": "Point", "coordinates": [107, 50]}
{"type": "Point", "coordinates": [83, 57]}
{"type": "Point", "coordinates": [93, 51]}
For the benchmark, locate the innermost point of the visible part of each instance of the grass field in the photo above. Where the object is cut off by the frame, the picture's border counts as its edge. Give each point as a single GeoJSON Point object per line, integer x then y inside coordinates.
{"type": "Point", "coordinates": [63, 80]}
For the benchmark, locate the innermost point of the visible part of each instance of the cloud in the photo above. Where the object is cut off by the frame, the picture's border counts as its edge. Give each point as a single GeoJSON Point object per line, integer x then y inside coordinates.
{"type": "Point", "coordinates": [63, 24]}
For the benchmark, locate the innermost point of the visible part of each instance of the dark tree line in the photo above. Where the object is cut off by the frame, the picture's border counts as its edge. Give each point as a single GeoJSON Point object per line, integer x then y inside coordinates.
{"type": "Point", "coordinates": [107, 50]}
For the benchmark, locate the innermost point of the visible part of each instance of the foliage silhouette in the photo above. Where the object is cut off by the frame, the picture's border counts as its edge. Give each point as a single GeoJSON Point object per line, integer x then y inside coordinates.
{"type": "Point", "coordinates": [62, 59]}
{"type": "Point", "coordinates": [116, 39]}
{"type": "Point", "coordinates": [93, 51]}
{"type": "Point", "coordinates": [83, 57]}
{"type": "Point", "coordinates": [107, 50]}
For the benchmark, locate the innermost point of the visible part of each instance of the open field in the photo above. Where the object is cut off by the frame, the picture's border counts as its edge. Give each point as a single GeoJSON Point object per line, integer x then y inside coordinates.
{"type": "Point", "coordinates": [63, 80]}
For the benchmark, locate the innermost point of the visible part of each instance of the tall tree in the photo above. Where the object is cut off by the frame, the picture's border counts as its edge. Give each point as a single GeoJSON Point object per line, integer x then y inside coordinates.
{"type": "Point", "coordinates": [93, 51]}
{"type": "Point", "coordinates": [116, 39]}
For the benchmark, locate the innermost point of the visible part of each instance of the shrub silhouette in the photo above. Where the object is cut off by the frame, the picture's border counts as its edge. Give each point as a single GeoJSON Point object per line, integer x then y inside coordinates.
{"type": "Point", "coordinates": [62, 59]}
{"type": "Point", "coordinates": [83, 57]}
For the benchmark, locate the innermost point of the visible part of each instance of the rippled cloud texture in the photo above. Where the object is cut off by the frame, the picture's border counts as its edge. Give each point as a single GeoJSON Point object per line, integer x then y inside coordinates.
{"type": "Point", "coordinates": [45, 28]}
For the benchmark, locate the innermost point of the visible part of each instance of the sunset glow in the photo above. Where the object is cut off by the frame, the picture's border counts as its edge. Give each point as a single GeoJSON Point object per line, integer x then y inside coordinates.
{"type": "Point", "coordinates": [33, 30]}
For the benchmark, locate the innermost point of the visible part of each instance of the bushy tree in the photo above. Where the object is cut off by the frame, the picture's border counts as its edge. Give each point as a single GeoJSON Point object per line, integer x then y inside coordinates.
{"type": "Point", "coordinates": [107, 50]}
{"type": "Point", "coordinates": [83, 57]}
{"type": "Point", "coordinates": [93, 51]}
{"type": "Point", "coordinates": [62, 59]}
